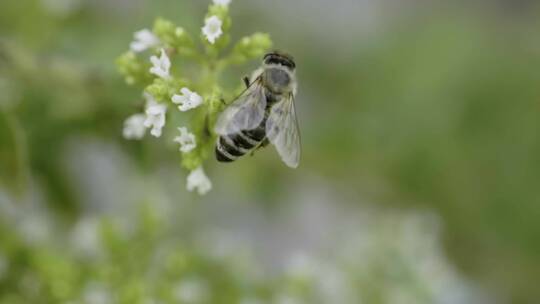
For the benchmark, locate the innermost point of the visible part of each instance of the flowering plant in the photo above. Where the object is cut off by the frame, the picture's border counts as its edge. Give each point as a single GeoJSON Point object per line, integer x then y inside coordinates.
{"type": "Point", "coordinates": [156, 62]}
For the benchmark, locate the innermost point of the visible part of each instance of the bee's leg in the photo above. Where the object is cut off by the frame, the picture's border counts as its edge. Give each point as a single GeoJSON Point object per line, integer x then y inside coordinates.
{"type": "Point", "coordinates": [263, 144]}
{"type": "Point", "coordinates": [207, 130]}
{"type": "Point", "coordinates": [246, 81]}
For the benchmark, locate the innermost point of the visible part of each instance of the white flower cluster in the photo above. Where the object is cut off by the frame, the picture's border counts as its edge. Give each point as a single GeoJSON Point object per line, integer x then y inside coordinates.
{"type": "Point", "coordinates": [135, 126]}
{"type": "Point", "coordinates": [154, 116]}
{"type": "Point", "coordinates": [145, 39]}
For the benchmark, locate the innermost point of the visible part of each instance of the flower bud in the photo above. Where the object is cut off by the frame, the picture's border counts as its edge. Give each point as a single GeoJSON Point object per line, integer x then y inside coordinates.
{"type": "Point", "coordinates": [251, 47]}
{"type": "Point", "coordinates": [164, 89]}
{"type": "Point", "coordinates": [133, 70]}
{"type": "Point", "coordinates": [171, 35]}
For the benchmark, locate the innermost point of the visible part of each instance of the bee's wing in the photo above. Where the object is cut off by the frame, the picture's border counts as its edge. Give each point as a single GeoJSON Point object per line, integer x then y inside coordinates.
{"type": "Point", "coordinates": [283, 132]}
{"type": "Point", "coordinates": [245, 113]}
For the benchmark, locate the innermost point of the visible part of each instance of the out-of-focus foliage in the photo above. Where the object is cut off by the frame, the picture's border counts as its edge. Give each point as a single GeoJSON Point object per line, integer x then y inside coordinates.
{"type": "Point", "coordinates": [447, 116]}
{"type": "Point", "coordinates": [149, 257]}
{"type": "Point", "coordinates": [439, 111]}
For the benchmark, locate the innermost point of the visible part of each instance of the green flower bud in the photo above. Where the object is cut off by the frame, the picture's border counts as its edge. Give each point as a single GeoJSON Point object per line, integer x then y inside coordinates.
{"type": "Point", "coordinates": [163, 89]}
{"type": "Point", "coordinates": [192, 160]}
{"type": "Point", "coordinates": [133, 70]}
{"type": "Point", "coordinates": [173, 36]}
{"type": "Point", "coordinates": [158, 89]}
{"type": "Point", "coordinates": [250, 47]}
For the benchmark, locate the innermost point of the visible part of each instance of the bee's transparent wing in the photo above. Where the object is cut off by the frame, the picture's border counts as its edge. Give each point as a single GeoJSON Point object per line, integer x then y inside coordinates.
{"type": "Point", "coordinates": [245, 113]}
{"type": "Point", "coordinates": [283, 132]}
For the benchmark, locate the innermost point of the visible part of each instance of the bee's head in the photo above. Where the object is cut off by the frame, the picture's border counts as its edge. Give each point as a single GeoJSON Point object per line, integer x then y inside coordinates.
{"type": "Point", "coordinates": [283, 59]}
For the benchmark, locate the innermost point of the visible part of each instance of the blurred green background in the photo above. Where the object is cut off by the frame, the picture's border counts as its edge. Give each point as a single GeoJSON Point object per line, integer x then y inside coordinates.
{"type": "Point", "coordinates": [419, 179]}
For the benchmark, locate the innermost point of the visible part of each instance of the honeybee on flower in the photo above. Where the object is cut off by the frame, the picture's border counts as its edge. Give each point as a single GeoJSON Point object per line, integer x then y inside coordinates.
{"type": "Point", "coordinates": [197, 95]}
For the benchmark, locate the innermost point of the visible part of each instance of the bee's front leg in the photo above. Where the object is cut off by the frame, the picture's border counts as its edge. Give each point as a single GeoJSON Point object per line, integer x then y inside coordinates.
{"type": "Point", "coordinates": [246, 81]}
{"type": "Point", "coordinates": [207, 130]}
{"type": "Point", "coordinates": [263, 144]}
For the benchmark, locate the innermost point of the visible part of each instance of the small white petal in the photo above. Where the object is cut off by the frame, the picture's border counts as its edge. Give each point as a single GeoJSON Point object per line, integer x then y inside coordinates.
{"type": "Point", "coordinates": [197, 179]}
{"type": "Point", "coordinates": [212, 29]}
{"type": "Point", "coordinates": [222, 2]}
{"type": "Point", "coordinates": [134, 127]}
{"type": "Point", "coordinates": [143, 40]}
{"type": "Point", "coordinates": [156, 131]}
{"type": "Point", "coordinates": [161, 65]}
{"type": "Point", "coordinates": [186, 140]}
{"type": "Point", "coordinates": [186, 91]}
{"type": "Point", "coordinates": [155, 116]}
{"type": "Point", "coordinates": [188, 100]}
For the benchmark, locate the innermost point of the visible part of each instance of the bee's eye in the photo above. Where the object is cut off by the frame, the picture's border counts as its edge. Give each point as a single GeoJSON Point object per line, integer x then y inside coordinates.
{"type": "Point", "coordinates": [273, 59]}
{"type": "Point", "coordinates": [287, 64]}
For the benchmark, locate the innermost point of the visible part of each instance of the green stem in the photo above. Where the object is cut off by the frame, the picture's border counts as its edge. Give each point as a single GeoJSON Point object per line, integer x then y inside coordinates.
{"type": "Point", "coordinates": [20, 149]}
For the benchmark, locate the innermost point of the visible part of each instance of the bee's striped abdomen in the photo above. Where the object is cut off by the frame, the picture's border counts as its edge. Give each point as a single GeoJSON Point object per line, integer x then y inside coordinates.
{"type": "Point", "coordinates": [230, 147]}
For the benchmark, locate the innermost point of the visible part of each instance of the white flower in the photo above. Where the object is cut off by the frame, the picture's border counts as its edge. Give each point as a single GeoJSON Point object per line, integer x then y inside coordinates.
{"type": "Point", "coordinates": [198, 179]}
{"type": "Point", "coordinates": [222, 2]}
{"type": "Point", "coordinates": [144, 39]}
{"type": "Point", "coordinates": [161, 65]}
{"type": "Point", "coordinates": [212, 29]}
{"type": "Point", "coordinates": [155, 116]}
{"type": "Point", "coordinates": [134, 127]}
{"type": "Point", "coordinates": [186, 140]}
{"type": "Point", "coordinates": [188, 100]}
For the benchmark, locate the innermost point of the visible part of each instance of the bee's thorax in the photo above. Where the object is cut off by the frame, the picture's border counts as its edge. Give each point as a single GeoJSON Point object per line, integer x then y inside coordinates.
{"type": "Point", "coordinates": [278, 79]}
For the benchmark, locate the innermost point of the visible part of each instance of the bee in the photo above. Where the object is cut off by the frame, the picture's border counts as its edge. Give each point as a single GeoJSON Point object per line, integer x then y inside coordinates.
{"type": "Point", "coordinates": [264, 113]}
